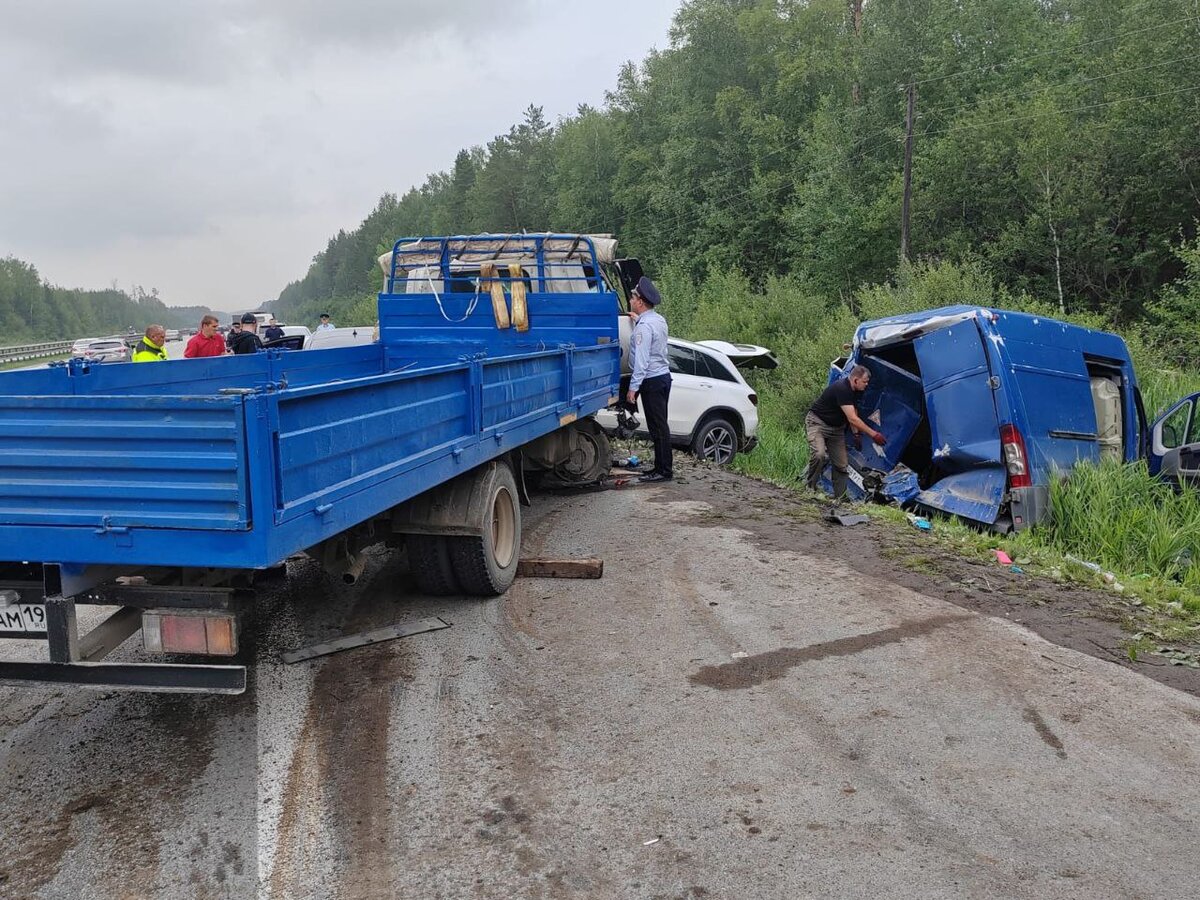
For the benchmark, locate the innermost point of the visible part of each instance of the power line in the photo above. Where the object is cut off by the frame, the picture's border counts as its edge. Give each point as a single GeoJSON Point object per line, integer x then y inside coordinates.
{"type": "Point", "coordinates": [841, 116]}
{"type": "Point", "coordinates": [1049, 87]}
{"type": "Point", "coordinates": [1012, 62]}
{"type": "Point", "coordinates": [1186, 90]}
{"type": "Point", "coordinates": [682, 220]}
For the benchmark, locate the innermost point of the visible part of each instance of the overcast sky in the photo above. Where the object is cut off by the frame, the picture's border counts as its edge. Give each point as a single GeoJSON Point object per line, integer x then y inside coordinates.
{"type": "Point", "coordinates": [209, 148]}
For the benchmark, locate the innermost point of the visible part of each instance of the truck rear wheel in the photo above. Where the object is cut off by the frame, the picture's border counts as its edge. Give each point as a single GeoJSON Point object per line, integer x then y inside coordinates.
{"type": "Point", "coordinates": [431, 565]}
{"type": "Point", "coordinates": [487, 564]}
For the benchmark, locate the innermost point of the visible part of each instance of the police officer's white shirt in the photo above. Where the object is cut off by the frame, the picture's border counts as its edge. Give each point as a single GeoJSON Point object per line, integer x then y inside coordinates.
{"type": "Point", "coordinates": [649, 346]}
{"type": "Point", "coordinates": [325, 326]}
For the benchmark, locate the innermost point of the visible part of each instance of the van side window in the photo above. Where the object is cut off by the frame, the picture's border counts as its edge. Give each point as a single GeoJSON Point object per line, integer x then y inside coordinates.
{"type": "Point", "coordinates": [1174, 427]}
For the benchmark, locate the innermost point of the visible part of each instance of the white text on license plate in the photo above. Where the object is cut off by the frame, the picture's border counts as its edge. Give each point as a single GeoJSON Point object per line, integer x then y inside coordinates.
{"type": "Point", "coordinates": [23, 617]}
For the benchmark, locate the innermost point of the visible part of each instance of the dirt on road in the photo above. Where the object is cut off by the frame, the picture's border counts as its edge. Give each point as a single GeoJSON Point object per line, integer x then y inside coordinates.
{"type": "Point", "coordinates": [1070, 615]}
{"type": "Point", "coordinates": [750, 703]}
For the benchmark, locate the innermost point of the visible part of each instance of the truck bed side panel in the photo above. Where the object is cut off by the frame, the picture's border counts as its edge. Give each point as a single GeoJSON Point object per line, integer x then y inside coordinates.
{"type": "Point", "coordinates": [336, 439]}
{"type": "Point", "coordinates": [118, 462]}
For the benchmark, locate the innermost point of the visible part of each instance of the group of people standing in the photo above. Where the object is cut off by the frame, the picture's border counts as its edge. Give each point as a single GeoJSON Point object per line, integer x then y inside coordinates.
{"type": "Point", "coordinates": [208, 341]}
{"type": "Point", "coordinates": [831, 414]}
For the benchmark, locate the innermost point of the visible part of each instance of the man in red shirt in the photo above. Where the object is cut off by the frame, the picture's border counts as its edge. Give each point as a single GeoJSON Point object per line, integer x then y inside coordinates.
{"type": "Point", "coordinates": [207, 342]}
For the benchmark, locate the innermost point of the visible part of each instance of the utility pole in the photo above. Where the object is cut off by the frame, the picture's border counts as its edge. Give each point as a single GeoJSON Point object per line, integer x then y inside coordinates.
{"type": "Point", "coordinates": [906, 205]}
{"type": "Point", "coordinates": [856, 21]}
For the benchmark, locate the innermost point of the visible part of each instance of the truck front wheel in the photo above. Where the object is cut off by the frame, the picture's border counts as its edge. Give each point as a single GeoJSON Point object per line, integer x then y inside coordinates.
{"type": "Point", "coordinates": [487, 564]}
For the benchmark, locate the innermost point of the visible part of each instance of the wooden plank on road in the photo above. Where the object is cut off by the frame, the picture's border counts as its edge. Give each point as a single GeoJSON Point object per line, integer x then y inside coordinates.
{"type": "Point", "coordinates": [537, 567]}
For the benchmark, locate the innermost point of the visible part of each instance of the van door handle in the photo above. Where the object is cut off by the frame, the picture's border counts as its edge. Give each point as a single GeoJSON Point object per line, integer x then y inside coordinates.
{"type": "Point", "coordinates": [1074, 435]}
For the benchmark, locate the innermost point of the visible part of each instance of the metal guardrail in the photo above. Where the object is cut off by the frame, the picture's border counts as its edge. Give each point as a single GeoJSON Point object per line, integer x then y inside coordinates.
{"type": "Point", "coordinates": [33, 351]}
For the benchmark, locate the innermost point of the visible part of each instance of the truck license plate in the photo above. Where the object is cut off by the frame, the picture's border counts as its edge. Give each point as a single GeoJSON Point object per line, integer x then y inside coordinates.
{"type": "Point", "coordinates": [22, 617]}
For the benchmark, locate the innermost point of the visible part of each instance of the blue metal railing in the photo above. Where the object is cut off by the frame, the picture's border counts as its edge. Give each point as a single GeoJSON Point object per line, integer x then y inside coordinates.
{"type": "Point", "coordinates": [457, 262]}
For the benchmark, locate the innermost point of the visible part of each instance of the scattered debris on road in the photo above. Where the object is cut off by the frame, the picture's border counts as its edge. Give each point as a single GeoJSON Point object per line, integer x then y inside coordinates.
{"type": "Point", "coordinates": [539, 567]}
{"type": "Point", "coordinates": [376, 636]}
{"type": "Point", "coordinates": [919, 522]}
{"type": "Point", "coordinates": [847, 519]}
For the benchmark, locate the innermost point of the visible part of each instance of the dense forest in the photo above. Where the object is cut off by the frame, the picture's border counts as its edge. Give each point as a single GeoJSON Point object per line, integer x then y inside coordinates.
{"type": "Point", "coordinates": [1054, 147]}
{"type": "Point", "coordinates": [32, 309]}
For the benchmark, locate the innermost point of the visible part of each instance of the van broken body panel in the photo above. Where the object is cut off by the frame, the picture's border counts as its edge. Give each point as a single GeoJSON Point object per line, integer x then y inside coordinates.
{"type": "Point", "coordinates": [982, 406]}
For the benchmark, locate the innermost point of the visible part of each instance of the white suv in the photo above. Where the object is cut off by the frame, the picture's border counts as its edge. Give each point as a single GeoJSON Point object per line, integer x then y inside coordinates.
{"type": "Point", "coordinates": [712, 412]}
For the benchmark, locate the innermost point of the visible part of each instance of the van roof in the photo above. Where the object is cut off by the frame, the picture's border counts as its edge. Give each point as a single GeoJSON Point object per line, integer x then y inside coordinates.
{"type": "Point", "coordinates": [899, 329]}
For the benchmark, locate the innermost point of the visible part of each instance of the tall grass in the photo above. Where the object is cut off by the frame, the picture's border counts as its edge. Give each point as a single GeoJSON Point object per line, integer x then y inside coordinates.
{"type": "Point", "coordinates": [781, 456]}
{"type": "Point", "coordinates": [1118, 516]}
{"type": "Point", "coordinates": [1115, 515]}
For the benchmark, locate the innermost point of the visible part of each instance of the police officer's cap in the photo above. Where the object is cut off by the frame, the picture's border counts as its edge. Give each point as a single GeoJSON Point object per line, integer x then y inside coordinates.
{"type": "Point", "coordinates": [647, 291]}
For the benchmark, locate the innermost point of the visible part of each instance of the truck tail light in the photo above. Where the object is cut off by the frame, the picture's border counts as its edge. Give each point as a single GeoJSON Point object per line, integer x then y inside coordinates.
{"type": "Point", "coordinates": [204, 631]}
{"type": "Point", "coordinates": [754, 399]}
{"type": "Point", "coordinates": [1016, 460]}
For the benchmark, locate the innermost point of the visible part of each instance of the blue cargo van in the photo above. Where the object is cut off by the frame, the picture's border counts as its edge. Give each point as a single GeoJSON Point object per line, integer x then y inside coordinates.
{"type": "Point", "coordinates": [981, 407]}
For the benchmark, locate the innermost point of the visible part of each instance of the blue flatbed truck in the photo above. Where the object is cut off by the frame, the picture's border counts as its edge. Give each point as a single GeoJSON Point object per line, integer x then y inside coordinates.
{"type": "Point", "coordinates": [165, 489]}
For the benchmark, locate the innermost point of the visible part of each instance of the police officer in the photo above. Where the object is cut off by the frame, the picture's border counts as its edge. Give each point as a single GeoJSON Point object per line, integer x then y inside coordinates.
{"type": "Point", "coordinates": [150, 347]}
{"type": "Point", "coordinates": [651, 375]}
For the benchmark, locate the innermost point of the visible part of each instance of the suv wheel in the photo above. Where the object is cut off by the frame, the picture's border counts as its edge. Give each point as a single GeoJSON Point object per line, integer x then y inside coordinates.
{"type": "Point", "coordinates": [716, 441]}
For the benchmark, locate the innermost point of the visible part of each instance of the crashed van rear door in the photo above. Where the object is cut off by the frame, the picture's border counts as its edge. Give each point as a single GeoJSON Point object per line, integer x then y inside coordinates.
{"type": "Point", "coordinates": [961, 407]}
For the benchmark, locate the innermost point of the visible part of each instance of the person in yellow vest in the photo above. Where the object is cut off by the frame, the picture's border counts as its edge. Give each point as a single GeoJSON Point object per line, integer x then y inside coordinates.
{"type": "Point", "coordinates": [150, 348]}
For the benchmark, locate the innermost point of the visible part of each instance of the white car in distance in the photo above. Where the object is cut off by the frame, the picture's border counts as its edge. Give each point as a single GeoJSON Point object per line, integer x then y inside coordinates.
{"type": "Point", "coordinates": [713, 412]}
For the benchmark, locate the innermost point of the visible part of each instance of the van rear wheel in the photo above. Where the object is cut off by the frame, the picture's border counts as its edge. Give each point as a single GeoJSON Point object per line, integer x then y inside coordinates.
{"type": "Point", "coordinates": [486, 564]}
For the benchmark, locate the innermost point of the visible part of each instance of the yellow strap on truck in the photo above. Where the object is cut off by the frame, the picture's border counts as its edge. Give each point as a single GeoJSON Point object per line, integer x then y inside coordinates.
{"type": "Point", "coordinates": [487, 275]}
{"type": "Point", "coordinates": [520, 304]}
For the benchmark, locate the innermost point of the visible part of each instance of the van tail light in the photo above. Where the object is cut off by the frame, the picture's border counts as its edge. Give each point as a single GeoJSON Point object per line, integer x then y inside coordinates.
{"type": "Point", "coordinates": [754, 399]}
{"type": "Point", "coordinates": [206, 632]}
{"type": "Point", "coordinates": [1016, 460]}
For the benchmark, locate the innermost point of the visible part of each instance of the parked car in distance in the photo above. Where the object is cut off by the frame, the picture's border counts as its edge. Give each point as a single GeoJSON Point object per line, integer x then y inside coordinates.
{"type": "Point", "coordinates": [294, 338]}
{"type": "Point", "coordinates": [713, 412]}
{"type": "Point", "coordinates": [82, 344]}
{"type": "Point", "coordinates": [107, 351]}
{"type": "Point", "coordinates": [340, 337]}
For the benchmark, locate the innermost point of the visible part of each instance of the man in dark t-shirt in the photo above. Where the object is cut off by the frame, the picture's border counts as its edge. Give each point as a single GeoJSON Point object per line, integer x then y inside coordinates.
{"type": "Point", "coordinates": [825, 426]}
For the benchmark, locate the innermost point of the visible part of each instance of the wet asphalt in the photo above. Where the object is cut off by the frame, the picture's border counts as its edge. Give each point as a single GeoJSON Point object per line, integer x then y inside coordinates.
{"type": "Point", "coordinates": [712, 718]}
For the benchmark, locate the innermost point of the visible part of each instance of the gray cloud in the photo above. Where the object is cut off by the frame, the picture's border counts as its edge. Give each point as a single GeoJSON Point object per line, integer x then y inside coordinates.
{"type": "Point", "coordinates": [400, 24]}
{"type": "Point", "coordinates": [142, 136]}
